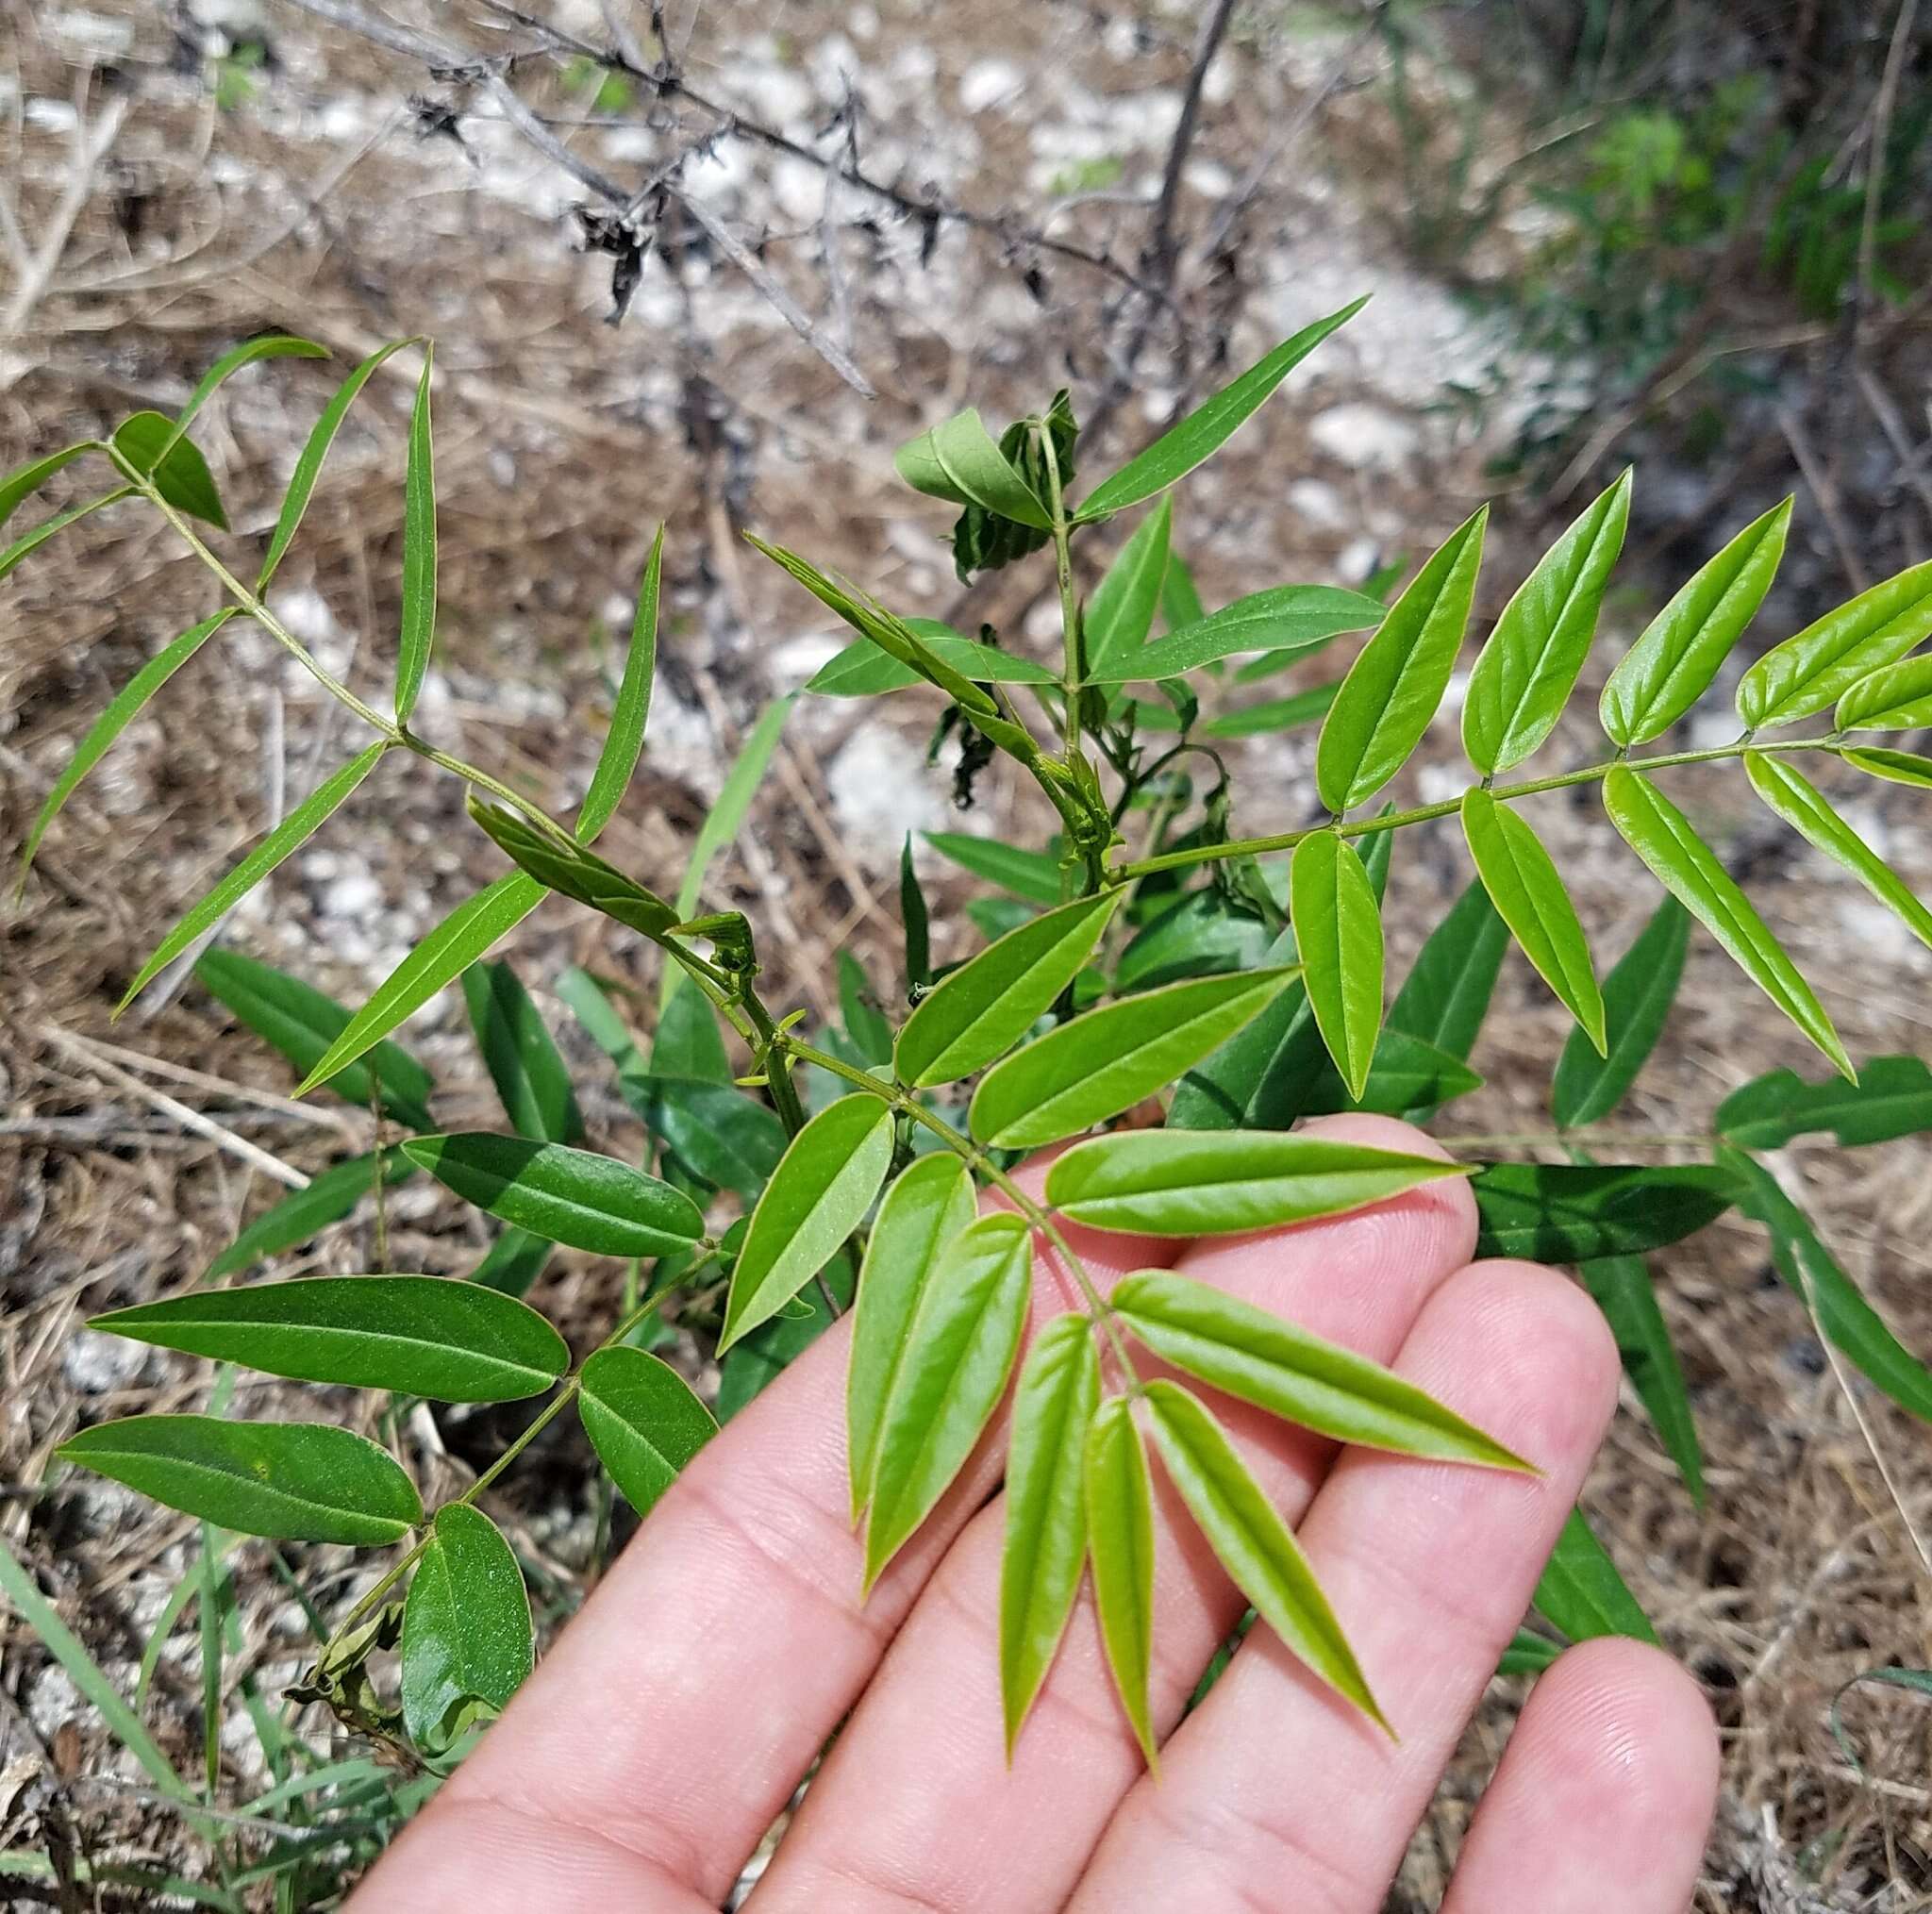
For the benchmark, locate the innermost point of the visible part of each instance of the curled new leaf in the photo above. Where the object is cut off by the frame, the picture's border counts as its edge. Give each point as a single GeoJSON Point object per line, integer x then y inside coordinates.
{"type": "Point", "coordinates": [574, 872]}
{"type": "Point", "coordinates": [1895, 767]}
{"type": "Point", "coordinates": [959, 461]}
{"type": "Point", "coordinates": [643, 1420]}
{"type": "Point", "coordinates": [467, 1636]}
{"type": "Point", "coordinates": [1338, 930]}
{"type": "Point", "coordinates": [1811, 672]}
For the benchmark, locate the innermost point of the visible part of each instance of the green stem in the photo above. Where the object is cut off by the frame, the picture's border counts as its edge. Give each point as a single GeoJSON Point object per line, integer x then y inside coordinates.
{"type": "Point", "coordinates": [1069, 602]}
{"type": "Point", "coordinates": [1392, 821]}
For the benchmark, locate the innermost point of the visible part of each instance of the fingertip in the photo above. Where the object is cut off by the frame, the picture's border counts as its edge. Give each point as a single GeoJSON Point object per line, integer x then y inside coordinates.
{"type": "Point", "coordinates": [1449, 1197]}
{"type": "Point", "coordinates": [1637, 1719]}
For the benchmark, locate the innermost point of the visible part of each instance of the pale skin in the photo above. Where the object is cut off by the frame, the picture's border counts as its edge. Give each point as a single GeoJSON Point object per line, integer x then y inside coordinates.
{"type": "Point", "coordinates": [642, 1763]}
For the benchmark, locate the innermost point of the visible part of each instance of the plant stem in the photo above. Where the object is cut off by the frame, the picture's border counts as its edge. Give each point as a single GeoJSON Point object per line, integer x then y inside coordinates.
{"type": "Point", "coordinates": [1069, 602]}
{"type": "Point", "coordinates": [1589, 773]}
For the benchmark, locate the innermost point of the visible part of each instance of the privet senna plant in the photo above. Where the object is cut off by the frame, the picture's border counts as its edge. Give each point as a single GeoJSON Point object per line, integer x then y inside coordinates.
{"type": "Point", "coordinates": [1144, 952]}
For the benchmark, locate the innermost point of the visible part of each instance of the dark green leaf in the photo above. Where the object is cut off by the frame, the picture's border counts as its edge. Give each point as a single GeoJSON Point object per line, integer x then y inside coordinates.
{"type": "Point", "coordinates": [1525, 673]}
{"type": "Point", "coordinates": [1120, 1542]}
{"type": "Point", "coordinates": [306, 1212]}
{"type": "Point", "coordinates": [1406, 1074]}
{"type": "Point", "coordinates": [1183, 446]}
{"type": "Point", "coordinates": [173, 465]}
{"type": "Point", "coordinates": [1392, 690]}
{"type": "Point", "coordinates": [1582, 1594]}
{"type": "Point", "coordinates": [1624, 1293]}
{"type": "Point", "coordinates": [714, 1128]}
{"type": "Point", "coordinates": [866, 1028]}
{"type": "Point", "coordinates": [983, 540]}
{"type": "Point", "coordinates": [453, 1342]}
{"type": "Point", "coordinates": [1121, 612]}
{"type": "Point", "coordinates": [513, 1261]}
{"type": "Point", "coordinates": [1200, 936]}
{"type": "Point", "coordinates": [1637, 1001]}
{"type": "Point", "coordinates": [531, 1078]}
{"type": "Point", "coordinates": [1338, 930]}
{"type": "Point", "coordinates": [466, 1626]}
{"type": "Point", "coordinates": [296, 1481]}
{"type": "Point", "coordinates": [913, 914]}
{"type": "Point", "coordinates": [1528, 1654]}
{"type": "Point", "coordinates": [643, 1420]}
{"type": "Point", "coordinates": [419, 551]}
{"type": "Point", "coordinates": [1891, 1098]}
{"type": "Point", "coordinates": [1446, 994]}
{"type": "Point", "coordinates": [632, 710]}
{"type": "Point", "coordinates": [25, 480]}
{"type": "Point", "coordinates": [1288, 618]}
{"type": "Point", "coordinates": [767, 1351]}
{"type": "Point", "coordinates": [1579, 1213]}
{"type": "Point", "coordinates": [687, 1043]}
{"type": "Point", "coordinates": [1811, 672]}
{"type": "Point", "coordinates": [1032, 875]}
{"type": "Point", "coordinates": [958, 460]}
{"type": "Point", "coordinates": [571, 1196]}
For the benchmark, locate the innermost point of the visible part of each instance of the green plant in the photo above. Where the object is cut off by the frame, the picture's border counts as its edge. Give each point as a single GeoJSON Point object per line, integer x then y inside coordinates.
{"type": "Point", "coordinates": [1250, 999]}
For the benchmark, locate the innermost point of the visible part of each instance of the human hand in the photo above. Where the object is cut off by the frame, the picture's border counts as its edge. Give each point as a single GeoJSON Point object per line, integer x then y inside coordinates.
{"type": "Point", "coordinates": [641, 1764]}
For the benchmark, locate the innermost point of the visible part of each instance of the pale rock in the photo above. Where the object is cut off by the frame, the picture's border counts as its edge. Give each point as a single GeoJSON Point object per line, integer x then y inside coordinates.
{"type": "Point", "coordinates": [1455, 695]}
{"type": "Point", "coordinates": [1364, 435]}
{"type": "Point", "coordinates": [799, 188]}
{"type": "Point", "coordinates": [1439, 783]}
{"type": "Point", "coordinates": [94, 1363]}
{"type": "Point", "coordinates": [53, 1701]}
{"type": "Point", "coordinates": [1359, 560]}
{"type": "Point", "coordinates": [779, 96]}
{"type": "Point", "coordinates": [1319, 504]}
{"type": "Point", "coordinates": [799, 658]}
{"type": "Point", "coordinates": [1209, 178]}
{"type": "Point", "coordinates": [989, 83]}
{"type": "Point", "coordinates": [354, 894]}
{"type": "Point", "coordinates": [880, 789]}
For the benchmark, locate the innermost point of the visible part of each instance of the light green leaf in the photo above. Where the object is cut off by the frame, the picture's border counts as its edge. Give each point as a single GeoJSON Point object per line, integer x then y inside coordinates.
{"type": "Point", "coordinates": [1109, 1059]}
{"type": "Point", "coordinates": [1253, 1544]}
{"type": "Point", "coordinates": [302, 481]}
{"type": "Point", "coordinates": [571, 1196]}
{"type": "Point", "coordinates": [1624, 1292]}
{"type": "Point", "coordinates": [1202, 432]}
{"type": "Point", "coordinates": [1899, 698]}
{"type": "Point", "coordinates": [1891, 1098]}
{"type": "Point", "coordinates": [1045, 1545]}
{"type": "Point", "coordinates": [984, 1007]}
{"type": "Point", "coordinates": [958, 460]}
{"type": "Point", "coordinates": [304, 1024]}
{"type": "Point", "coordinates": [1636, 998]}
{"type": "Point", "coordinates": [1397, 680]}
{"type": "Point", "coordinates": [1582, 1212]}
{"type": "Point", "coordinates": [270, 345]}
{"type": "Point", "coordinates": [1685, 866]}
{"type": "Point", "coordinates": [120, 713]}
{"type": "Point", "coordinates": [629, 715]}
{"type": "Point", "coordinates": [1582, 1594]}
{"type": "Point", "coordinates": [1338, 931]}
{"type": "Point", "coordinates": [418, 549]}
{"type": "Point", "coordinates": [296, 1481]}
{"type": "Point", "coordinates": [1120, 1542]}
{"type": "Point", "coordinates": [453, 1342]}
{"type": "Point", "coordinates": [1120, 614]}
{"type": "Point", "coordinates": [179, 473]}
{"type": "Point", "coordinates": [1446, 994]}
{"type": "Point", "coordinates": [817, 1197]}
{"type": "Point", "coordinates": [712, 1127]}
{"type": "Point", "coordinates": [1200, 934]}
{"type": "Point", "coordinates": [643, 1420]}
{"type": "Point", "coordinates": [305, 1213]}
{"type": "Point", "coordinates": [958, 1356]}
{"type": "Point", "coordinates": [1525, 673]}
{"type": "Point", "coordinates": [1896, 767]}
{"type": "Point", "coordinates": [1406, 1074]}
{"type": "Point", "coordinates": [1032, 875]}
{"type": "Point", "coordinates": [1831, 1298]}
{"type": "Point", "coordinates": [1807, 810]}
{"type": "Point", "coordinates": [467, 1636]}
{"type": "Point", "coordinates": [1277, 715]}
{"type": "Point", "coordinates": [25, 480]}
{"type": "Point", "coordinates": [1812, 671]}
{"type": "Point", "coordinates": [1187, 1183]}
{"type": "Point", "coordinates": [1672, 665]}
{"type": "Point", "coordinates": [287, 838]}
{"type": "Point", "coordinates": [531, 1077]}
{"type": "Point", "coordinates": [927, 1206]}
{"type": "Point", "coordinates": [1267, 1360]}
{"type": "Point", "coordinates": [572, 870]}
{"type": "Point", "coordinates": [1523, 884]}
{"type": "Point", "coordinates": [862, 670]}
{"type": "Point", "coordinates": [1287, 619]}
{"type": "Point", "coordinates": [440, 958]}
{"type": "Point", "coordinates": [30, 542]}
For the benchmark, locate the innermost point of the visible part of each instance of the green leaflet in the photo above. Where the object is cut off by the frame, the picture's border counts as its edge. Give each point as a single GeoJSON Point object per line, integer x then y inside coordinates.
{"type": "Point", "coordinates": [270, 345]}
{"type": "Point", "coordinates": [30, 542]}
{"type": "Point", "coordinates": [1811, 672]}
{"type": "Point", "coordinates": [927, 1206]}
{"type": "Point", "coordinates": [1899, 698]}
{"type": "Point", "coordinates": [531, 1077]}
{"type": "Point", "coordinates": [1891, 1098]}
{"type": "Point", "coordinates": [1685, 866]}
{"type": "Point", "coordinates": [513, 1261]}
{"type": "Point", "coordinates": [866, 1028]}
{"type": "Point", "coordinates": [453, 1342]}
{"type": "Point", "coordinates": [1046, 1508]}
{"type": "Point", "coordinates": [1830, 1297]}
{"type": "Point", "coordinates": [1398, 679]}
{"type": "Point", "coordinates": [1624, 1292]}
{"type": "Point", "coordinates": [305, 1024]}
{"type": "Point", "coordinates": [817, 1197]}
{"type": "Point", "coordinates": [1523, 884]}
{"type": "Point", "coordinates": [917, 920]}
{"type": "Point", "coordinates": [179, 472]}
{"type": "Point", "coordinates": [643, 1420]}
{"type": "Point", "coordinates": [1120, 1543]}
{"type": "Point", "coordinates": [1030, 875]}
{"type": "Point", "coordinates": [1446, 994]}
{"type": "Point", "coordinates": [1338, 931]}
{"type": "Point", "coordinates": [571, 1196]}
{"type": "Point", "coordinates": [1201, 433]}
{"type": "Point", "coordinates": [1181, 598]}
{"type": "Point", "coordinates": [418, 549]}
{"type": "Point", "coordinates": [467, 1636]}
{"type": "Point", "coordinates": [304, 1213]}
{"type": "Point", "coordinates": [1672, 665]}
{"type": "Point", "coordinates": [25, 480]}
{"type": "Point", "coordinates": [120, 713]}
{"type": "Point", "coordinates": [1582, 1594]}
{"type": "Point", "coordinates": [1253, 1544]}
{"type": "Point", "coordinates": [1286, 619]}
{"type": "Point", "coordinates": [687, 1043]}
{"type": "Point", "coordinates": [1528, 1654]}
{"type": "Point", "coordinates": [1120, 614]}
{"type": "Point", "coordinates": [624, 741]}
{"type": "Point", "coordinates": [1267, 1360]}
{"type": "Point", "coordinates": [958, 460]}
{"type": "Point", "coordinates": [862, 670]}
{"type": "Point", "coordinates": [1199, 935]}
{"type": "Point", "coordinates": [1581, 1212]}
{"type": "Point", "coordinates": [777, 1342]}
{"type": "Point", "coordinates": [711, 1127]}
{"type": "Point", "coordinates": [958, 1355]}
{"type": "Point", "coordinates": [1637, 1000]}
{"type": "Point", "coordinates": [1525, 674]}
{"type": "Point", "coordinates": [1406, 1074]}
{"type": "Point", "coordinates": [295, 1481]}
{"type": "Point", "coordinates": [440, 958]}
{"type": "Point", "coordinates": [287, 838]}
{"type": "Point", "coordinates": [1277, 715]}
{"type": "Point", "coordinates": [574, 872]}
{"type": "Point", "coordinates": [1896, 767]}
{"type": "Point", "coordinates": [993, 1000]}
{"type": "Point", "coordinates": [1187, 1183]}
{"type": "Point", "coordinates": [1109, 1059]}
{"type": "Point", "coordinates": [1807, 810]}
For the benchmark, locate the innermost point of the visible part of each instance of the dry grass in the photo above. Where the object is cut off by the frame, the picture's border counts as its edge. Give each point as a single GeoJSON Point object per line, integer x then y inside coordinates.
{"type": "Point", "coordinates": [561, 445]}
